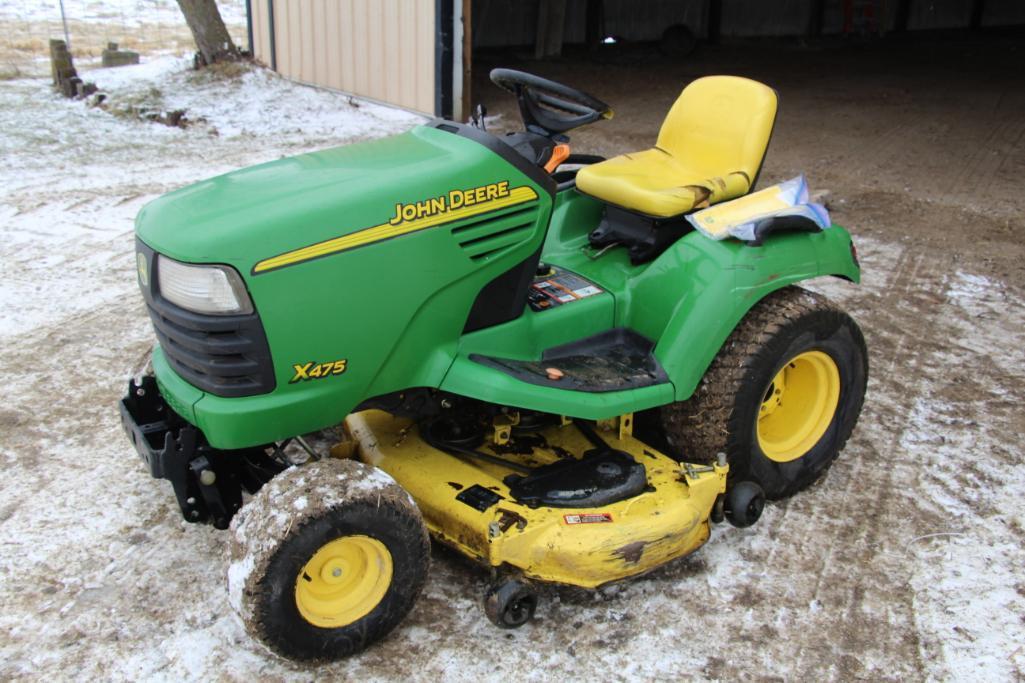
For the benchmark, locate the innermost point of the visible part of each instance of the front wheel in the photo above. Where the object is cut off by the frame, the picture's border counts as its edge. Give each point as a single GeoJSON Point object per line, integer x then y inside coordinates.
{"type": "Point", "coordinates": [326, 559]}
{"type": "Point", "coordinates": [782, 396]}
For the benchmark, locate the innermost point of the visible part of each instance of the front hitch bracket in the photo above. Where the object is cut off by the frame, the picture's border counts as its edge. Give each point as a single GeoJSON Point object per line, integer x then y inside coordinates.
{"type": "Point", "coordinates": [208, 482]}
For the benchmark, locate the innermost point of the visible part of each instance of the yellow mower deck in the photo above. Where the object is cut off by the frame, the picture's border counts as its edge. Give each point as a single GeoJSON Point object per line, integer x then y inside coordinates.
{"type": "Point", "coordinates": [582, 547]}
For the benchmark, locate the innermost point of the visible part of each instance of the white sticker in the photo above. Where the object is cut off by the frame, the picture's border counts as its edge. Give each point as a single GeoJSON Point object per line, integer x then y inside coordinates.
{"type": "Point", "coordinates": [588, 518]}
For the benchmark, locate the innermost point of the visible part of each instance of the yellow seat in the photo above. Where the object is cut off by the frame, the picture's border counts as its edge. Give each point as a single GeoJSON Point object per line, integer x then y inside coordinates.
{"type": "Point", "coordinates": [709, 149]}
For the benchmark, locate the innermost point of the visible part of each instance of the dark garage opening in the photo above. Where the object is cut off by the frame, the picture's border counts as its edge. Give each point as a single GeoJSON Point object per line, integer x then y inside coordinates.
{"type": "Point", "coordinates": [912, 120]}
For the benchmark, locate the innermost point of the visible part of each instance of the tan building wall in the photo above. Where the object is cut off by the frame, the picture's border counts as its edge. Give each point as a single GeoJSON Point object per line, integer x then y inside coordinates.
{"type": "Point", "coordinates": [380, 49]}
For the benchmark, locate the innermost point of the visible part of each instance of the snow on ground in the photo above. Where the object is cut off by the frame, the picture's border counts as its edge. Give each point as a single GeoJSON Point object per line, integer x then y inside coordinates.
{"type": "Point", "coordinates": [75, 176]}
{"type": "Point", "coordinates": [904, 563]}
{"type": "Point", "coordinates": [126, 12]}
{"type": "Point", "coordinates": [72, 181]}
{"type": "Point", "coordinates": [960, 438]}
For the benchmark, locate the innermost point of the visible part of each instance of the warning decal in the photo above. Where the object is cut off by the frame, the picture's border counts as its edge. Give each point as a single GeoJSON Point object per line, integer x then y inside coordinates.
{"type": "Point", "coordinates": [558, 287]}
{"type": "Point", "coordinates": [588, 518]}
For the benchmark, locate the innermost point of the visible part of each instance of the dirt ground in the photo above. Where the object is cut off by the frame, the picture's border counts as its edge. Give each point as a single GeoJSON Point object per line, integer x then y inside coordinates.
{"type": "Point", "coordinates": [903, 563]}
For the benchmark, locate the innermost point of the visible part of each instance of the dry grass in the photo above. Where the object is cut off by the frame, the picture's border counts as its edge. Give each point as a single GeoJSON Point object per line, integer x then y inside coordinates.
{"type": "Point", "coordinates": [9, 72]}
{"type": "Point", "coordinates": [24, 47]}
{"type": "Point", "coordinates": [220, 71]}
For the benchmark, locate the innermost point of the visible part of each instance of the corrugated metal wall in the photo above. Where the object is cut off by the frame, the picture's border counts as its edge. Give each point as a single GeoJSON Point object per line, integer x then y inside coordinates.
{"type": "Point", "coordinates": [380, 49]}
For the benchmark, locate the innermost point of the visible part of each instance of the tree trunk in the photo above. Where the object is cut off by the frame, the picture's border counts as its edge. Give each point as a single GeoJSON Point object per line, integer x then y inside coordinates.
{"type": "Point", "coordinates": [209, 32]}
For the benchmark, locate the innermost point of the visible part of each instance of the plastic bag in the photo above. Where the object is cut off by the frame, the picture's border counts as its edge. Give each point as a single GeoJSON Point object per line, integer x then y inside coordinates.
{"type": "Point", "coordinates": [739, 218]}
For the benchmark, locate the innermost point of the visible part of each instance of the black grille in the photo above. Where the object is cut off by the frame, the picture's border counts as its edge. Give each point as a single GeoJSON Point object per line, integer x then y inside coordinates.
{"type": "Point", "coordinates": [225, 355]}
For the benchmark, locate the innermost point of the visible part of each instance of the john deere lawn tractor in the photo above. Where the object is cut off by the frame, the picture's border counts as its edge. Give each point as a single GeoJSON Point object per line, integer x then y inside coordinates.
{"type": "Point", "coordinates": [563, 367]}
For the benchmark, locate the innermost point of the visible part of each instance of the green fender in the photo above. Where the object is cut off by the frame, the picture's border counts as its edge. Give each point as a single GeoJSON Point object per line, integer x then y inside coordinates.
{"type": "Point", "coordinates": [690, 298]}
{"type": "Point", "coordinates": [717, 283]}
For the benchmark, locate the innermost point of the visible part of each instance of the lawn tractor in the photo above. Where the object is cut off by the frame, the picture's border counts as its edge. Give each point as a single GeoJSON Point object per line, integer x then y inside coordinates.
{"type": "Point", "coordinates": [564, 368]}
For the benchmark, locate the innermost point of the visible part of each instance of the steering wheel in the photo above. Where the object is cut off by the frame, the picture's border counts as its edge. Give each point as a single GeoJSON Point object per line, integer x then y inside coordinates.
{"type": "Point", "coordinates": [549, 106]}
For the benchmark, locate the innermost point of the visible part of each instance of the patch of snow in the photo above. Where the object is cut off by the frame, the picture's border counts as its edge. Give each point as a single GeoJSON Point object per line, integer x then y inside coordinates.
{"type": "Point", "coordinates": [967, 287]}
{"type": "Point", "coordinates": [966, 570]}
{"type": "Point", "coordinates": [271, 105]}
{"type": "Point", "coordinates": [122, 13]}
{"type": "Point", "coordinates": [151, 74]}
{"type": "Point", "coordinates": [372, 481]}
{"type": "Point", "coordinates": [239, 572]}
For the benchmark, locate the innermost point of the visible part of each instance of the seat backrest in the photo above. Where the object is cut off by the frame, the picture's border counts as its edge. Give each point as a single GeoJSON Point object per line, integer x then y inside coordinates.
{"type": "Point", "coordinates": [720, 125]}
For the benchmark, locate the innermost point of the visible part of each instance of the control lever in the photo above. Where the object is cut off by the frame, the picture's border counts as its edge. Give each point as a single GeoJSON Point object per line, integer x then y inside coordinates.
{"type": "Point", "coordinates": [477, 118]}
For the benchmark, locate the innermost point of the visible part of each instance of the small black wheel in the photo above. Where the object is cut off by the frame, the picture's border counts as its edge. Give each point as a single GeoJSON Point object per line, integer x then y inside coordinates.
{"type": "Point", "coordinates": [744, 504]}
{"type": "Point", "coordinates": [326, 559]}
{"type": "Point", "coordinates": [782, 396]}
{"type": "Point", "coordinates": [718, 513]}
{"type": "Point", "coordinates": [510, 604]}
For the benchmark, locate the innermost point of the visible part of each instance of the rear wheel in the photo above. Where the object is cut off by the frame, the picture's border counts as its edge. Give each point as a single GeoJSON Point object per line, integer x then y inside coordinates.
{"type": "Point", "coordinates": [326, 559]}
{"type": "Point", "coordinates": [782, 396]}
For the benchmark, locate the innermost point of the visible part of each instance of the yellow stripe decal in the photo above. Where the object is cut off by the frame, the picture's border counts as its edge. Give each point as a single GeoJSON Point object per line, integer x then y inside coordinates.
{"type": "Point", "coordinates": [518, 195]}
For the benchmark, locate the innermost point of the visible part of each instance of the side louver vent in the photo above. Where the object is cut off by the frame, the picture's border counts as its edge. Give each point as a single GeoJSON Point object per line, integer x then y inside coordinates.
{"type": "Point", "coordinates": [487, 236]}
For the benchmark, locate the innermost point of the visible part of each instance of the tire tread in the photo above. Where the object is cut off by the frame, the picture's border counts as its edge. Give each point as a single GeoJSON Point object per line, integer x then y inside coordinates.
{"type": "Point", "coordinates": [700, 427]}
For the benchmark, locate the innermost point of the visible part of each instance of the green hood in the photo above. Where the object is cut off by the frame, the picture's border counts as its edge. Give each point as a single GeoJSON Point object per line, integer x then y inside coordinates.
{"type": "Point", "coordinates": [281, 205]}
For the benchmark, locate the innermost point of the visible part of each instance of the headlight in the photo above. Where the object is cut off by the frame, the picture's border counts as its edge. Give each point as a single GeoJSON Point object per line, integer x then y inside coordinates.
{"type": "Point", "coordinates": [212, 289]}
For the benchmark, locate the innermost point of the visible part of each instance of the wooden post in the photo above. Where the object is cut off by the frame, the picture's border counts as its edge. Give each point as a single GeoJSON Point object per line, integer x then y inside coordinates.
{"type": "Point", "coordinates": [60, 59]}
{"type": "Point", "coordinates": [62, 69]}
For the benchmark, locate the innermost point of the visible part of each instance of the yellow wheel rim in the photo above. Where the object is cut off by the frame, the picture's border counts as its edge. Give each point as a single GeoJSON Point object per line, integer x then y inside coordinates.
{"type": "Point", "coordinates": [343, 581]}
{"type": "Point", "coordinates": [798, 406]}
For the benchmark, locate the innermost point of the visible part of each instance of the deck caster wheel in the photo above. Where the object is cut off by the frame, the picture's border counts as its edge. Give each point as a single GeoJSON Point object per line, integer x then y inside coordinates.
{"type": "Point", "coordinates": [718, 513]}
{"type": "Point", "coordinates": [744, 504]}
{"type": "Point", "coordinates": [510, 604]}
